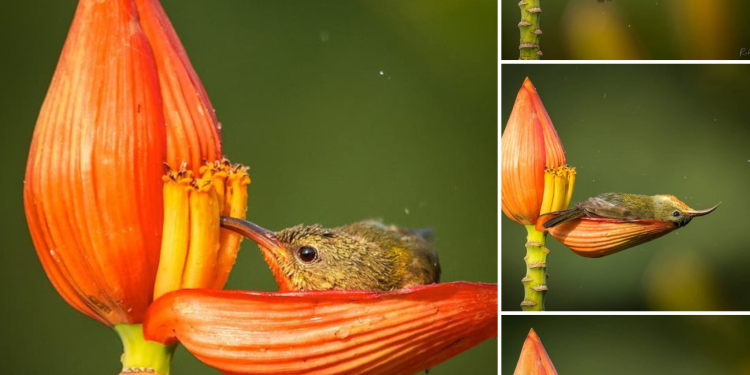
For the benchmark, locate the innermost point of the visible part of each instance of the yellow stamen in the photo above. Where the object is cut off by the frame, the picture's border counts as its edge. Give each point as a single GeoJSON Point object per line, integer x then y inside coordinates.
{"type": "Point", "coordinates": [235, 205]}
{"type": "Point", "coordinates": [561, 185]}
{"type": "Point", "coordinates": [549, 191]}
{"type": "Point", "coordinates": [200, 267]}
{"type": "Point", "coordinates": [174, 245]}
{"type": "Point", "coordinates": [558, 188]}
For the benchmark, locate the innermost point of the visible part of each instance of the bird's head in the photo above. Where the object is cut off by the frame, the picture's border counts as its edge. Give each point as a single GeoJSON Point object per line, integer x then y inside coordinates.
{"type": "Point", "coordinates": [315, 258]}
{"type": "Point", "coordinates": [669, 208]}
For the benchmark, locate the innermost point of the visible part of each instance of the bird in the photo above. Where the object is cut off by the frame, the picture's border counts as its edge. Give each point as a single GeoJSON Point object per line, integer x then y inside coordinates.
{"type": "Point", "coordinates": [621, 206]}
{"type": "Point", "coordinates": [366, 255]}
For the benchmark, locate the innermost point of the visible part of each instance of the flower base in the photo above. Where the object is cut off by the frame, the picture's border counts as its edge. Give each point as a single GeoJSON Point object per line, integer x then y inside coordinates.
{"type": "Point", "coordinates": [141, 356]}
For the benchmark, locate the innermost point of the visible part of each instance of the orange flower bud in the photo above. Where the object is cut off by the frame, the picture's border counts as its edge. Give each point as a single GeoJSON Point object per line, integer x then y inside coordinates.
{"type": "Point", "coordinates": [326, 332]}
{"type": "Point", "coordinates": [123, 100]}
{"type": "Point", "coordinates": [596, 237]}
{"type": "Point", "coordinates": [529, 143]}
{"type": "Point", "coordinates": [534, 359]}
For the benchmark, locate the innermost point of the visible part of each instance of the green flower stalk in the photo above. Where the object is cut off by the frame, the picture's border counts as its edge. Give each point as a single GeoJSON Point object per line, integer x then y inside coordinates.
{"type": "Point", "coordinates": [530, 32]}
{"type": "Point", "coordinates": [141, 356]}
{"type": "Point", "coordinates": [535, 281]}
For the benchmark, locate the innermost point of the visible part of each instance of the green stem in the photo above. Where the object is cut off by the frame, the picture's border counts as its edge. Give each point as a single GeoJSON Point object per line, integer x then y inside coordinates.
{"type": "Point", "coordinates": [535, 282]}
{"type": "Point", "coordinates": [140, 355]}
{"type": "Point", "coordinates": [530, 32]}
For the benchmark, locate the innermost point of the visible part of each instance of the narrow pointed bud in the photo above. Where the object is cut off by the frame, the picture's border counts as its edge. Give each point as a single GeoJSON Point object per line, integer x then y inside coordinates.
{"type": "Point", "coordinates": [534, 359]}
{"type": "Point", "coordinates": [596, 237]}
{"type": "Point", "coordinates": [327, 332]}
{"type": "Point", "coordinates": [529, 143]}
{"type": "Point", "coordinates": [92, 192]}
{"type": "Point", "coordinates": [522, 164]}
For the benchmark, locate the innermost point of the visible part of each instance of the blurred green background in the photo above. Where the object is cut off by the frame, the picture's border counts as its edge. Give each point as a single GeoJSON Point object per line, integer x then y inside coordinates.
{"type": "Point", "coordinates": [627, 29]}
{"type": "Point", "coordinates": [343, 110]}
{"type": "Point", "coordinates": [626, 345]}
{"type": "Point", "coordinates": [646, 129]}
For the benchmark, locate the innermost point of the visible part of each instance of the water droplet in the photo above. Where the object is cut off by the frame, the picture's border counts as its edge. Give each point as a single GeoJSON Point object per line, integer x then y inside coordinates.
{"type": "Point", "coordinates": [381, 72]}
{"type": "Point", "coordinates": [406, 210]}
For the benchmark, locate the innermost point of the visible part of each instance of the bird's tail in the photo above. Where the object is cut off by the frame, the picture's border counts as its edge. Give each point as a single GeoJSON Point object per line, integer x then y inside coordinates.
{"type": "Point", "coordinates": [562, 216]}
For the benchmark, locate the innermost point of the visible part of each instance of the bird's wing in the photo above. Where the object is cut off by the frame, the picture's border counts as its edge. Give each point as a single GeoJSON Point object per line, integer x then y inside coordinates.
{"type": "Point", "coordinates": [598, 207]}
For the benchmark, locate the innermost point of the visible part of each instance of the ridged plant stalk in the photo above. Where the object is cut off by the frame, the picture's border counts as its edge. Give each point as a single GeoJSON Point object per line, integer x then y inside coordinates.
{"type": "Point", "coordinates": [535, 281]}
{"type": "Point", "coordinates": [530, 32]}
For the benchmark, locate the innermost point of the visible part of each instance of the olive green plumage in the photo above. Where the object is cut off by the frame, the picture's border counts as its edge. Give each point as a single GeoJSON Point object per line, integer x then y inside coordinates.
{"type": "Point", "coordinates": [623, 206]}
{"type": "Point", "coordinates": [366, 255]}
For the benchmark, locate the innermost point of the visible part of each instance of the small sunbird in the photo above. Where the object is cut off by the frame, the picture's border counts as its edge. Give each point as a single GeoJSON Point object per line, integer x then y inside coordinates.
{"type": "Point", "coordinates": [366, 255]}
{"type": "Point", "coordinates": [621, 206]}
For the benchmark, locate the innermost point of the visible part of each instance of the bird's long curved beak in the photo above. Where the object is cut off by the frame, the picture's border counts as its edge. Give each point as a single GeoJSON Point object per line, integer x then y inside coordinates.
{"type": "Point", "coordinates": [701, 212]}
{"type": "Point", "coordinates": [273, 250]}
{"type": "Point", "coordinates": [265, 238]}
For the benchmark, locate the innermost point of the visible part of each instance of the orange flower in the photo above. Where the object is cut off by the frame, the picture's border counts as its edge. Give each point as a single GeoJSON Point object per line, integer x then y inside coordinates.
{"type": "Point", "coordinates": [326, 332]}
{"type": "Point", "coordinates": [113, 232]}
{"type": "Point", "coordinates": [529, 143]}
{"type": "Point", "coordinates": [596, 237]}
{"type": "Point", "coordinates": [124, 100]}
{"type": "Point", "coordinates": [534, 359]}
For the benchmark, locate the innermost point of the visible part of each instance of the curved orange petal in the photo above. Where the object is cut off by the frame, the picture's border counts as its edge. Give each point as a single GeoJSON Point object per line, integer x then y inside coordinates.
{"type": "Point", "coordinates": [594, 237]}
{"type": "Point", "coordinates": [326, 332]}
{"type": "Point", "coordinates": [192, 127]}
{"type": "Point", "coordinates": [555, 154]}
{"type": "Point", "coordinates": [92, 193]}
{"type": "Point", "coordinates": [534, 359]}
{"type": "Point", "coordinates": [522, 164]}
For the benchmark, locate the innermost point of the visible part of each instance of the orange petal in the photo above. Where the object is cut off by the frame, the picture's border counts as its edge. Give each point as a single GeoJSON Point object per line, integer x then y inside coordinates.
{"type": "Point", "coordinates": [523, 158]}
{"type": "Point", "coordinates": [534, 359]}
{"type": "Point", "coordinates": [595, 237]}
{"type": "Point", "coordinates": [192, 126]}
{"type": "Point", "coordinates": [93, 194]}
{"type": "Point", "coordinates": [555, 154]}
{"type": "Point", "coordinates": [326, 332]}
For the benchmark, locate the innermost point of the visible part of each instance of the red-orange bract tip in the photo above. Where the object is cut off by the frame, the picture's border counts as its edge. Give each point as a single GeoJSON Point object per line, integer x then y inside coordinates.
{"type": "Point", "coordinates": [596, 237]}
{"type": "Point", "coordinates": [193, 133]}
{"type": "Point", "coordinates": [554, 152]}
{"type": "Point", "coordinates": [326, 332]}
{"type": "Point", "coordinates": [534, 359]}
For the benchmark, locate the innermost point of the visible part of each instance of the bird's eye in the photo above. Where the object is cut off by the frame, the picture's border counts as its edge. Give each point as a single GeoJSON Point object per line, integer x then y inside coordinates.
{"type": "Point", "coordinates": [307, 254]}
{"type": "Point", "coordinates": [676, 213]}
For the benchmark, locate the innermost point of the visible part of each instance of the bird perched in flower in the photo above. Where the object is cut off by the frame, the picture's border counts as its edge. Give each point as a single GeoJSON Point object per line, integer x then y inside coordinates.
{"type": "Point", "coordinates": [366, 255]}
{"type": "Point", "coordinates": [622, 206]}
{"type": "Point", "coordinates": [612, 222]}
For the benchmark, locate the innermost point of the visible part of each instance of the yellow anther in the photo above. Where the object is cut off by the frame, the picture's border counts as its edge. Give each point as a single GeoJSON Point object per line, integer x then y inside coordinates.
{"type": "Point", "coordinates": [196, 252]}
